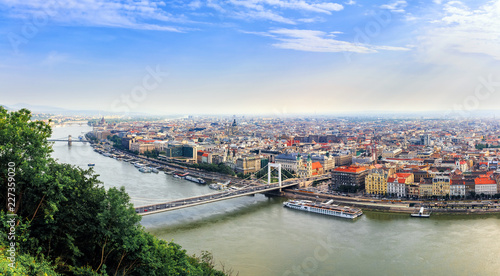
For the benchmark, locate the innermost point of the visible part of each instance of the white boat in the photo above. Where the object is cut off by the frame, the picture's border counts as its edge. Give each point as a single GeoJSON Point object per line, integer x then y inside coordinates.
{"type": "Point", "coordinates": [325, 209]}
{"type": "Point", "coordinates": [154, 170]}
{"type": "Point", "coordinates": [145, 170]}
{"type": "Point", "coordinates": [138, 165]}
{"type": "Point", "coordinates": [421, 213]}
{"type": "Point", "coordinates": [194, 179]}
{"type": "Point", "coordinates": [215, 186]}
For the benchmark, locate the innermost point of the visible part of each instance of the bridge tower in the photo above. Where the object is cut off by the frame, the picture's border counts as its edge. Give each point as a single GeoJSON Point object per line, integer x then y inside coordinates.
{"type": "Point", "coordinates": [69, 140]}
{"type": "Point", "coordinates": [269, 165]}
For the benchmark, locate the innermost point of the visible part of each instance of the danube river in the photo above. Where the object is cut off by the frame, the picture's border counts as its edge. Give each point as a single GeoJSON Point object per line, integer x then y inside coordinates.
{"type": "Point", "coordinates": [257, 236]}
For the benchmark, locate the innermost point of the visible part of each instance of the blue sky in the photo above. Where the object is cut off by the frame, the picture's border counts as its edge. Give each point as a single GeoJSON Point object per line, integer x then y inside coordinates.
{"type": "Point", "coordinates": [251, 56]}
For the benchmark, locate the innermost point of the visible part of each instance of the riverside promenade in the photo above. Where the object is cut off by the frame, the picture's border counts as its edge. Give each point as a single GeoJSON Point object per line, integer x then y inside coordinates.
{"type": "Point", "coordinates": [440, 207]}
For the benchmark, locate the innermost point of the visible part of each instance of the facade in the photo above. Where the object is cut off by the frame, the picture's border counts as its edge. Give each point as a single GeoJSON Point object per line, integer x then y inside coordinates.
{"type": "Point", "coordinates": [289, 161]}
{"type": "Point", "coordinates": [457, 186]}
{"type": "Point", "coordinates": [396, 186]}
{"type": "Point", "coordinates": [391, 153]}
{"type": "Point", "coordinates": [142, 147]}
{"type": "Point", "coordinates": [441, 185]}
{"type": "Point", "coordinates": [376, 182]}
{"type": "Point", "coordinates": [349, 176]}
{"type": "Point", "coordinates": [247, 164]}
{"type": "Point", "coordinates": [425, 188]}
{"type": "Point", "coordinates": [304, 170]}
{"type": "Point", "coordinates": [342, 159]}
{"type": "Point", "coordinates": [182, 151]}
{"type": "Point", "coordinates": [485, 185]}
{"type": "Point", "coordinates": [413, 190]}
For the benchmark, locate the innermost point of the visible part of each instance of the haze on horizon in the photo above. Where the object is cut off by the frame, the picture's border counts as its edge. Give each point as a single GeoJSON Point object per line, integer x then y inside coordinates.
{"type": "Point", "coordinates": [251, 56]}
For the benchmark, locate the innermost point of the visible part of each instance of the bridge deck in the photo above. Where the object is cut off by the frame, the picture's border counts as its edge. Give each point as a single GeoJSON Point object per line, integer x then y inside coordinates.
{"type": "Point", "coordinates": [209, 198]}
{"type": "Point", "coordinates": [60, 140]}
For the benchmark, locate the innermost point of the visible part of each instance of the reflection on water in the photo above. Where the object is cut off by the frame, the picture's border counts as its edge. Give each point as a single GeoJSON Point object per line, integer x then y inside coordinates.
{"type": "Point", "coordinates": [257, 236]}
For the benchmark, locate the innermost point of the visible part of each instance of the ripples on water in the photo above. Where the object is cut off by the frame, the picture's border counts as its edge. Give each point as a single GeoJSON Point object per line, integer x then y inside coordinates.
{"type": "Point", "coordinates": [257, 236]}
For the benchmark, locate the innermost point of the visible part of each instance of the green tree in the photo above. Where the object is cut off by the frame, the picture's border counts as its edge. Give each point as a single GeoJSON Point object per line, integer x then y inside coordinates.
{"type": "Point", "coordinates": [67, 222]}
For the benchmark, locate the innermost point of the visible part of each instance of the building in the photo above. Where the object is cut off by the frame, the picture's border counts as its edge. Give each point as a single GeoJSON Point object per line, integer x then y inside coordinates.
{"type": "Point", "coordinates": [457, 186]}
{"type": "Point", "coordinates": [183, 152]}
{"type": "Point", "coordinates": [376, 182]}
{"type": "Point", "coordinates": [304, 170]}
{"type": "Point", "coordinates": [247, 164]}
{"type": "Point", "coordinates": [408, 177]}
{"type": "Point", "coordinates": [342, 159]}
{"type": "Point", "coordinates": [441, 185]}
{"type": "Point", "coordinates": [414, 190]}
{"type": "Point", "coordinates": [485, 185]}
{"type": "Point", "coordinates": [288, 161]}
{"type": "Point", "coordinates": [425, 187]}
{"type": "Point", "coordinates": [396, 186]}
{"type": "Point", "coordinates": [391, 153]}
{"type": "Point", "coordinates": [349, 176]}
{"type": "Point", "coordinates": [141, 146]}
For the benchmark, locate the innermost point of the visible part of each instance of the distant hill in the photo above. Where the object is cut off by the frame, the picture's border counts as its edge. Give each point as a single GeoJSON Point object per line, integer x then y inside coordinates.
{"type": "Point", "coordinates": [68, 112]}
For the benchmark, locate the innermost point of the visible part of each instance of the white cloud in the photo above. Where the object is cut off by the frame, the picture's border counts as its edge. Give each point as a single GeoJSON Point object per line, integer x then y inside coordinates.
{"type": "Point", "coordinates": [396, 6]}
{"type": "Point", "coordinates": [264, 14]}
{"type": "Point", "coordinates": [124, 14]}
{"type": "Point", "coordinates": [464, 30]}
{"type": "Point", "coordinates": [350, 2]}
{"type": "Point", "coordinates": [318, 41]}
{"type": "Point", "coordinates": [54, 58]}
{"type": "Point", "coordinates": [311, 6]}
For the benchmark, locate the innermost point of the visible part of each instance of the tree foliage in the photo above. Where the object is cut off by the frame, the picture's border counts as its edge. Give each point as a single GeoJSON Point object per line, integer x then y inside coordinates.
{"type": "Point", "coordinates": [67, 223]}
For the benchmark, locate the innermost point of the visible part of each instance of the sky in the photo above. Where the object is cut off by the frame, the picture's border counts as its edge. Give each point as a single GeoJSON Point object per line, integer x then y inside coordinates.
{"type": "Point", "coordinates": [251, 56]}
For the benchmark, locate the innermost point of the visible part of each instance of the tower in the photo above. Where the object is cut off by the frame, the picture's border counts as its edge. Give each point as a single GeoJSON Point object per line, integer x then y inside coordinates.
{"type": "Point", "coordinates": [234, 128]}
{"type": "Point", "coordinates": [304, 170]}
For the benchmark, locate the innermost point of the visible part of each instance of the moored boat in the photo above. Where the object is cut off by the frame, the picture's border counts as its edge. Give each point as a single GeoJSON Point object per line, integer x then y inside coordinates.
{"type": "Point", "coordinates": [325, 209]}
{"type": "Point", "coordinates": [421, 213]}
{"type": "Point", "coordinates": [145, 170]}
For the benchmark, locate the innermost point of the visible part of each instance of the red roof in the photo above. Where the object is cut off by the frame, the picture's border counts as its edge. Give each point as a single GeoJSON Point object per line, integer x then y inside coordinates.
{"type": "Point", "coordinates": [351, 169]}
{"type": "Point", "coordinates": [404, 175]}
{"type": "Point", "coordinates": [316, 165]}
{"type": "Point", "coordinates": [391, 179]}
{"type": "Point", "coordinates": [484, 180]}
{"type": "Point", "coordinates": [146, 141]}
{"type": "Point", "coordinates": [205, 154]}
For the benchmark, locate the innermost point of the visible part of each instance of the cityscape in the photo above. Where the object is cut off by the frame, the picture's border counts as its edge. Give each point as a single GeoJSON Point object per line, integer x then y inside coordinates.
{"type": "Point", "coordinates": [249, 137]}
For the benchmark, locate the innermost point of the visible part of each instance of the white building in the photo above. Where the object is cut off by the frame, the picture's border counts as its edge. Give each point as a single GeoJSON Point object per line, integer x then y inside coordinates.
{"type": "Point", "coordinates": [396, 186]}
{"type": "Point", "coordinates": [457, 188]}
{"type": "Point", "coordinates": [485, 186]}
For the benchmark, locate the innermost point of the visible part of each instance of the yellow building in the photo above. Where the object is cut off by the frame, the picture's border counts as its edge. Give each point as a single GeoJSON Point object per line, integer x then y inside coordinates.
{"type": "Point", "coordinates": [424, 190]}
{"type": "Point", "coordinates": [440, 185]}
{"type": "Point", "coordinates": [376, 183]}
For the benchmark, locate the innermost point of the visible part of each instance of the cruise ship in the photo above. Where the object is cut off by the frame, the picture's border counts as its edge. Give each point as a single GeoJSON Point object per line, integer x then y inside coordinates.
{"type": "Point", "coordinates": [324, 208]}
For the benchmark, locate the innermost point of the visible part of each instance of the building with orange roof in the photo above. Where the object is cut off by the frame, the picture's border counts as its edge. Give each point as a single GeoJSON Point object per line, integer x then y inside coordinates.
{"type": "Point", "coordinates": [352, 176]}
{"type": "Point", "coordinates": [408, 177]}
{"type": "Point", "coordinates": [485, 185]}
{"type": "Point", "coordinates": [317, 169]}
{"type": "Point", "coordinates": [396, 186]}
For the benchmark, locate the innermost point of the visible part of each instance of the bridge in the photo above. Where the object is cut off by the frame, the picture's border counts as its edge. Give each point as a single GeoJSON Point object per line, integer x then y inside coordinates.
{"type": "Point", "coordinates": [248, 190]}
{"type": "Point", "coordinates": [69, 140]}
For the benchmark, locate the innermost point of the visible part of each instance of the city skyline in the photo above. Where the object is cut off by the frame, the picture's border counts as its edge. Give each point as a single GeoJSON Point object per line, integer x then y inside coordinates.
{"type": "Point", "coordinates": [251, 57]}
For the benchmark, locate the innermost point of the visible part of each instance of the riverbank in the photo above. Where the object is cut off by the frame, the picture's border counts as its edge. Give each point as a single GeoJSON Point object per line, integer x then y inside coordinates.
{"type": "Point", "coordinates": [399, 207]}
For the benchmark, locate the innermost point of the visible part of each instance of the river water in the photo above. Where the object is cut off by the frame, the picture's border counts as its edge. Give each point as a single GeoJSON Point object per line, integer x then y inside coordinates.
{"type": "Point", "coordinates": [257, 236]}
